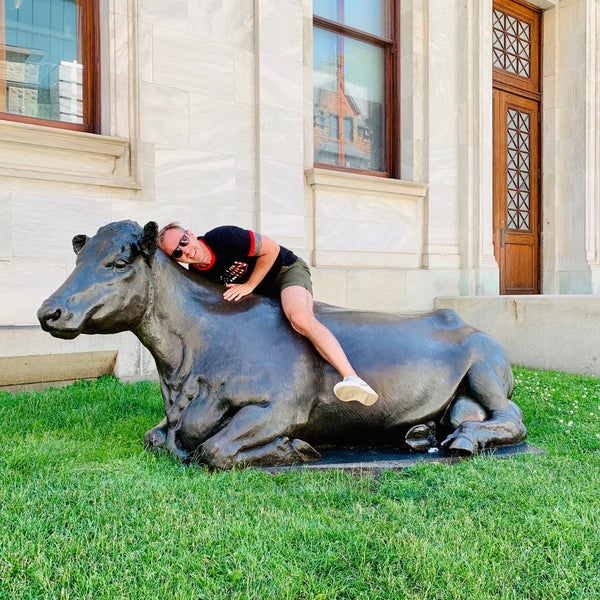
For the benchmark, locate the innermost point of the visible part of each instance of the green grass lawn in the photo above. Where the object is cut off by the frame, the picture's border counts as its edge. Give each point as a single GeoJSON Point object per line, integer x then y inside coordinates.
{"type": "Point", "coordinates": [85, 512]}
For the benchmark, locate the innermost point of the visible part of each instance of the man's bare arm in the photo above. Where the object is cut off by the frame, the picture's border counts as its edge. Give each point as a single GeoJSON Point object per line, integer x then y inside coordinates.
{"type": "Point", "coordinates": [268, 252]}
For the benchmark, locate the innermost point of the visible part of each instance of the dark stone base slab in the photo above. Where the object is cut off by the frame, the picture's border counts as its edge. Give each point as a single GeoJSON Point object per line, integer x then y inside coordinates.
{"type": "Point", "coordinates": [362, 460]}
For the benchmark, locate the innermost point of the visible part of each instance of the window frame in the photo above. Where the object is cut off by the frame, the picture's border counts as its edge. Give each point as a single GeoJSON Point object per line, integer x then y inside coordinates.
{"type": "Point", "coordinates": [89, 30]}
{"type": "Point", "coordinates": [391, 66]}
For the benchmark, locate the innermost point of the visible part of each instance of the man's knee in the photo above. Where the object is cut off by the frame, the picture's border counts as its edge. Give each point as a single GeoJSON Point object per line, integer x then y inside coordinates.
{"type": "Point", "coordinates": [302, 322]}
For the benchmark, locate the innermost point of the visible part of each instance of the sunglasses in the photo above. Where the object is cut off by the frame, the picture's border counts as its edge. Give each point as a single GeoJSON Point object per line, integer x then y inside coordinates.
{"type": "Point", "coordinates": [183, 242]}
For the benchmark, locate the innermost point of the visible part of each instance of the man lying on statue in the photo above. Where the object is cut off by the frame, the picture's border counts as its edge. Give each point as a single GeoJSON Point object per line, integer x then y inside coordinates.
{"type": "Point", "coordinates": [247, 262]}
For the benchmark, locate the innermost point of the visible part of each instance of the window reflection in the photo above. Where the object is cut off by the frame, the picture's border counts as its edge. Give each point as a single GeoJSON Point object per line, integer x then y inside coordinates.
{"type": "Point", "coordinates": [348, 90]}
{"type": "Point", "coordinates": [41, 74]}
{"type": "Point", "coordinates": [366, 15]}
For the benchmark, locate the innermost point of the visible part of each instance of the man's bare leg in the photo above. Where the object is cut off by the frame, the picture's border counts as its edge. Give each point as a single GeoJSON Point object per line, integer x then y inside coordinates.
{"type": "Point", "coordinates": [297, 304]}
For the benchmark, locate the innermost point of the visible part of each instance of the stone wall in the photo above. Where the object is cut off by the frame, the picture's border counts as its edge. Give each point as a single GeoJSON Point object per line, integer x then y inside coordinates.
{"type": "Point", "coordinates": [558, 333]}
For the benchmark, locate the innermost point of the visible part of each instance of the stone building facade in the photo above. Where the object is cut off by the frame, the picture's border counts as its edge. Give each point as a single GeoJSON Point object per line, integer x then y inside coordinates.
{"type": "Point", "coordinates": [207, 118]}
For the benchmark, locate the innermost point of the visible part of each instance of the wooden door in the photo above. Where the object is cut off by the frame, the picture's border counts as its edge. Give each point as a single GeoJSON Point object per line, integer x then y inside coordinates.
{"type": "Point", "coordinates": [516, 121]}
{"type": "Point", "coordinates": [516, 193]}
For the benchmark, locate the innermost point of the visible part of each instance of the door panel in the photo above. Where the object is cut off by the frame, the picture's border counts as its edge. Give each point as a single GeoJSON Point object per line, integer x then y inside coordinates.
{"type": "Point", "coordinates": [520, 277]}
{"type": "Point", "coordinates": [516, 192]}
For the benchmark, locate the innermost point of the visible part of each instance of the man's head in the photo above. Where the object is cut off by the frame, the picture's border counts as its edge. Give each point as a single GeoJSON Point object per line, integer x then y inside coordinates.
{"type": "Point", "coordinates": [180, 244]}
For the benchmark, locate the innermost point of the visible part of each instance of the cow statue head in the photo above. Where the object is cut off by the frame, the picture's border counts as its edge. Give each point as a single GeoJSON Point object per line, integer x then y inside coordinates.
{"type": "Point", "coordinates": [111, 286]}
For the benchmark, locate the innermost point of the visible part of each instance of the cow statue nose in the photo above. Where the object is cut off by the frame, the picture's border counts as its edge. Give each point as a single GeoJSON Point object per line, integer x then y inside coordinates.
{"type": "Point", "coordinates": [54, 316]}
{"type": "Point", "coordinates": [48, 314]}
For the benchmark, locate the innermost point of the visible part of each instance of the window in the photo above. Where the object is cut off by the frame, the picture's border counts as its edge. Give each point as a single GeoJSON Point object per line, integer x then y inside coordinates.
{"type": "Point", "coordinates": [348, 128]}
{"type": "Point", "coordinates": [48, 53]}
{"type": "Point", "coordinates": [334, 128]}
{"type": "Point", "coordinates": [354, 77]}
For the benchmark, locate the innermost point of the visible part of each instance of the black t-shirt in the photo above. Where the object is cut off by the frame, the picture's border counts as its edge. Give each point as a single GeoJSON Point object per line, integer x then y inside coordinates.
{"type": "Point", "coordinates": [234, 253]}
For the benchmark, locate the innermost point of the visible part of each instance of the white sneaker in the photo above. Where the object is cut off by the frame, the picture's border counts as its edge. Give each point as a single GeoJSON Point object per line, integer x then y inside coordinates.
{"type": "Point", "coordinates": [354, 388]}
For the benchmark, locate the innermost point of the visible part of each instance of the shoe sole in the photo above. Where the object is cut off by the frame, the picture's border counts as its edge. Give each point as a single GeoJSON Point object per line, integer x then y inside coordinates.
{"type": "Point", "coordinates": [350, 393]}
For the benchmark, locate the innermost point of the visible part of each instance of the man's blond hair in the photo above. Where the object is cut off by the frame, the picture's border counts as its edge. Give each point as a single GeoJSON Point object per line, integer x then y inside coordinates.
{"type": "Point", "coordinates": [173, 225]}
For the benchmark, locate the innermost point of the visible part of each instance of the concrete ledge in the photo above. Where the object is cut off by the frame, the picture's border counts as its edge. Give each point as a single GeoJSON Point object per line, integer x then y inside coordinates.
{"type": "Point", "coordinates": [559, 333]}
{"type": "Point", "coordinates": [33, 359]}
{"type": "Point", "coordinates": [19, 372]}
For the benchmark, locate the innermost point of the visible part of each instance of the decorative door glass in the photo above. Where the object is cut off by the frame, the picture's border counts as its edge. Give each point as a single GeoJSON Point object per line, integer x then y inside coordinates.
{"type": "Point", "coordinates": [511, 44]}
{"type": "Point", "coordinates": [518, 179]}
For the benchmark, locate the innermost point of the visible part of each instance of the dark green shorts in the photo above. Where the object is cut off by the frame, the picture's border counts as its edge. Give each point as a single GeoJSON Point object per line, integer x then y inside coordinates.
{"type": "Point", "coordinates": [297, 273]}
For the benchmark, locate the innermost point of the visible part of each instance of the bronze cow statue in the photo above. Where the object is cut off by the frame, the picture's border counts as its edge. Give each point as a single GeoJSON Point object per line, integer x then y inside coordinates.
{"type": "Point", "coordinates": [240, 387]}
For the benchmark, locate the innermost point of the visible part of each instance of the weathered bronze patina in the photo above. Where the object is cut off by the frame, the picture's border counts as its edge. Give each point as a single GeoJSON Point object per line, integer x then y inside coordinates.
{"type": "Point", "coordinates": [240, 387]}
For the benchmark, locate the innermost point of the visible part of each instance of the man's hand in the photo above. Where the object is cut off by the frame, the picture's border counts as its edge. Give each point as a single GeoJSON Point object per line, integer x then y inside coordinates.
{"type": "Point", "coordinates": [265, 259]}
{"type": "Point", "coordinates": [237, 291]}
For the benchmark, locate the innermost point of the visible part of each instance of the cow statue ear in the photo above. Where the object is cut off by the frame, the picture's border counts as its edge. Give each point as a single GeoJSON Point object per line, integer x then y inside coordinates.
{"type": "Point", "coordinates": [79, 241]}
{"type": "Point", "coordinates": [149, 241]}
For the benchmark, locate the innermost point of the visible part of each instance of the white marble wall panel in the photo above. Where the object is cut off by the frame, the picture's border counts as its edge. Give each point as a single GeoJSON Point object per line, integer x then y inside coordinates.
{"type": "Point", "coordinates": [550, 164]}
{"type": "Point", "coordinates": [378, 225]}
{"type": "Point", "coordinates": [55, 220]}
{"type": "Point", "coordinates": [308, 133]}
{"type": "Point", "coordinates": [388, 290]}
{"type": "Point", "coordinates": [121, 48]}
{"type": "Point", "coordinates": [413, 90]}
{"type": "Point", "coordinates": [244, 76]}
{"type": "Point", "coordinates": [280, 100]}
{"type": "Point", "coordinates": [187, 176]}
{"type": "Point", "coordinates": [134, 361]}
{"type": "Point", "coordinates": [26, 283]}
{"type": "Point", "coordinates": [362, 221]}
{"type": "Point", "coordinates": [285, 229]}
{"type": "Point", "coordinates": [229, 22]}
{"type": "Point", "coordinates": [281, 82]}
{"type": "Point", "coordinates": [245, 184]}
{"type": "Point", "coordinates": [368, 206]}
{"type": "Point", "coordinates": [119, 63]}
{"type": "Point", "coordinates": [165, 115]}
{"type": "Point", "coordinates": [479, 270]}
{"type": "Point", "coordinates": [189, 63]}
{"type": "Point", "coordinates": [281, 136]}
{"type": "Point", "coordinates": [549, 152]}
{"type": "Point", "coordinates": [425, 285]}
{"type": "Point", "coordinates": [282, 187]}
{"type": "Point", "coordinates": [142, 212]}
{"type": "Point", "coordinates": [201, 220]}
{"type": "Point", "coordinates": [145, 167]}
{"type": "Point", "coordinates": [570, 147]}
{"type": "Point", "coordinates": [222, 126]}
{"type": "Point", "coordinates": [348, 235]}
{"type": "Point", "coordinates": [146, 52]}
{"type": "Point", "coordinates": [571, 118]}
{"type": "Point", "coordinates": [171, 15]}
{"type": "Point", "coordinates": [280, 28]}
{"type": "Point", "coordinates": [377, 289]}
{"type": "Point", "coordinates": [330, 285]}
{"type": "Point", "coordinates": [444, 110]}
{"type": "Point", "coordinates": [6, 225]}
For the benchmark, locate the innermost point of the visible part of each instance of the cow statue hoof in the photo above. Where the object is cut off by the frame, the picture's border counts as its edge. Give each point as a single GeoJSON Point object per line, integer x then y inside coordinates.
{"type": "Point", "coordinates": [421, 438]}
{"type": "Point", "coordinates": [471, 436]}
{"type": "Point", "coordinates": [462, 446]}
{"type": "Point", "coordinates": [240, 387]}
{"type": "Point", "coordinates": [156, 438]}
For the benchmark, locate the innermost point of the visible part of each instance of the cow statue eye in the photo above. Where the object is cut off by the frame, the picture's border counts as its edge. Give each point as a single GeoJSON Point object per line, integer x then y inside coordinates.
{"type": "Point", "coordinates": [121, 264]}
